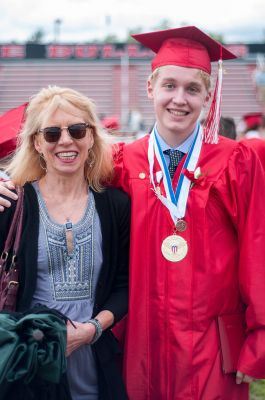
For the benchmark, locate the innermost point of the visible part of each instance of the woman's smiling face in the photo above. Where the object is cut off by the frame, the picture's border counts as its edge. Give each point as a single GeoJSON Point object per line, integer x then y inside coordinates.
{"type": "Point", "coordinates": [67, 156]}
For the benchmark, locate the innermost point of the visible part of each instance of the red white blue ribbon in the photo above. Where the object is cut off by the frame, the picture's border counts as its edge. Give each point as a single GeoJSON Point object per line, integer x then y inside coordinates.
{"type": "Point", "coordinates": [175, 202]}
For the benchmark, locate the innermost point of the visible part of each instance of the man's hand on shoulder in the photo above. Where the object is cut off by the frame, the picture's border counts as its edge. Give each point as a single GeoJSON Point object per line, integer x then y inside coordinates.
{"type": "Point", "coordinates": [5, 190]}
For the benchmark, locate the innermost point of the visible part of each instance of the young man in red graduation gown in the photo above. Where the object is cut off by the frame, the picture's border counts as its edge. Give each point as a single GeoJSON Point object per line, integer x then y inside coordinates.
{"type": "Point", "coordinates": [197, 273]}
{"type": "Point", "coordinates": [197, 240]}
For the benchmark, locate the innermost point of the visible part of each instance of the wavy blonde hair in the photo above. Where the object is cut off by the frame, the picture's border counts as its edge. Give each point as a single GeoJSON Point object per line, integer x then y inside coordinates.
{"type": "Point", "coordinates": [25, 164]}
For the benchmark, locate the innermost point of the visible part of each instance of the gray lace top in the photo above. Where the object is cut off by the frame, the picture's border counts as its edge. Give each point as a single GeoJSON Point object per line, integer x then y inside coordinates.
{"type": "Point", "coordinates": [67, 282]}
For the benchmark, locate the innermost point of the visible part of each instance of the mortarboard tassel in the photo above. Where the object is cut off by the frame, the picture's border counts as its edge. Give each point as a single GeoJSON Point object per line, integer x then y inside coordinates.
{"type": "Point", "coordinates": [212, 123]}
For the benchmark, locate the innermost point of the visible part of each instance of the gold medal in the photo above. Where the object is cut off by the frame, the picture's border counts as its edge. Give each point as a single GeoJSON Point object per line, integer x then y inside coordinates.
{"type": "Point", "coordinates": [174, 248]}
{"type": "Point", "coordinates": [181, 225]}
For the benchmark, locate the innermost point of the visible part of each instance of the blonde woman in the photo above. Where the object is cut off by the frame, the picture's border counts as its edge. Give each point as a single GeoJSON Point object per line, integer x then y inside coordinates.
{"type": "Point", "coordinates": [74, 247]}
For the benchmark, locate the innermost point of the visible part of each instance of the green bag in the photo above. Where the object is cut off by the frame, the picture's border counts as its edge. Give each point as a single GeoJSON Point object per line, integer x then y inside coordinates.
{"type": "Point", "coordinates": [32, 345]}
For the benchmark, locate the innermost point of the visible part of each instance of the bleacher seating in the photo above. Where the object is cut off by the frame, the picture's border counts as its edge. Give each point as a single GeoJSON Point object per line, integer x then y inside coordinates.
{"type": "Point", "coordinates": [103, 81]}
{"type": "Point", "coordinates": [20, 80]}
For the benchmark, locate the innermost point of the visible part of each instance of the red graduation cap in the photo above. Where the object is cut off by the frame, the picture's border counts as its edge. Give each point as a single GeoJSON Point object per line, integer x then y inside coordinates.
{"type": "Point", "coordinates": [10, 124]}
{"type": "Point", "coordinates": [111, 123]}
{"type": "Point", "coordinates": [186, 47]}
{"type": "Point", "coordinates": [190, 47]}
{"type": "Point", "coordinates": [252, 119]}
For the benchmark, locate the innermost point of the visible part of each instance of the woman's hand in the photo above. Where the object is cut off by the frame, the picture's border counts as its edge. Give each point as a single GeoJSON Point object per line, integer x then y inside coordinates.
{"type": "Point", "coordinates": [84, 333]}
{"type": "Point", "coordinates": [240, 377]}
{"type": "Point", "coordinates": [5, 190]}
{"type": "Point", "coordinates": [77, 336]}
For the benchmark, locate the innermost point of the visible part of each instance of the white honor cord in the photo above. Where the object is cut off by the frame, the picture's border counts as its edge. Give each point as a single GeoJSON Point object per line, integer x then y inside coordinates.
{"type": "Point", "coordinates": [176, 203]}
{"type": "Point", "coordinates": [165, 200]}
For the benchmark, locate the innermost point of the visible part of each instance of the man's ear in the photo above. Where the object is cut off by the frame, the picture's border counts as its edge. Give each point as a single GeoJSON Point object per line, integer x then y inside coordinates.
{"type": "Point", "coordinates": [207, 99]}
{"type": "Point", "coordinates": [150, 90]}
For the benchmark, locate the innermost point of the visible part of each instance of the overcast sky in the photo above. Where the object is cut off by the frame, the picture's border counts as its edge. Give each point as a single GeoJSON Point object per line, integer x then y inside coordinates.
{"type": "Point", "coordinates": [84, 20]}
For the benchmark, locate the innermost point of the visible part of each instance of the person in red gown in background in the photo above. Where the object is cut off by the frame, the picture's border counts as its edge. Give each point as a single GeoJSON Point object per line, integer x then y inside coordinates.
{"type": "Point", "coordinates": [254, 135]}
{"type": "Point", "coordinates": [196, 323]}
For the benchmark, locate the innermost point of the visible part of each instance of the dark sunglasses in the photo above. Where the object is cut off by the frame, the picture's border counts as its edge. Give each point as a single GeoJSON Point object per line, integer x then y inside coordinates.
{"type": "Point", "coordinates": [53, 133]}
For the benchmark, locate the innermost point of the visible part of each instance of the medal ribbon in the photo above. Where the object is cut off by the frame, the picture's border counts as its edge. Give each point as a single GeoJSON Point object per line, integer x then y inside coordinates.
{"type": "Point", "coordinates": [176, 203]}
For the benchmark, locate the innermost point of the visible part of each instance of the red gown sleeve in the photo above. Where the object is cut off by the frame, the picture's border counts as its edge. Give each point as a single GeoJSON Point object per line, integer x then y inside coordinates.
{"type": "Point", "coordinates": [247, 208]}
{"type": "Point", "coordinates": [121, 179]}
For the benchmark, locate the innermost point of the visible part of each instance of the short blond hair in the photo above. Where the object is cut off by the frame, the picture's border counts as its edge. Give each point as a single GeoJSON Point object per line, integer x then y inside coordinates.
{"type": "Point", "coordinates": [206, 78]}
{"type": "Point", "coordinates": [25, 164]}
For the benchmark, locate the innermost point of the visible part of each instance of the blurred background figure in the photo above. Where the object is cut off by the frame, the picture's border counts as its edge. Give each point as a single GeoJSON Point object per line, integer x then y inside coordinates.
{"type": "Point", "coordinates": [135, 121]}
{"type": "Point", "coordinates": [259, 78]}
{"type": "Point", "coordinates": [254, 134]}
{"type": "Point", "coordinates": [111, 123]}
{"type": "Point", "coordinates": [10, 125]}
{"type": "Point", "coordinates": [253, 126]}
{"type": "Point", "coordinates": [227, 127]}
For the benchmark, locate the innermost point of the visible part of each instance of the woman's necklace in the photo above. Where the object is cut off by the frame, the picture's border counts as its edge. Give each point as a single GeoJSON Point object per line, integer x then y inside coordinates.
{"type": "Point", "coordinates": [69, 236]}
{"type": "Point", "coordinates": [68, 217]}
{"type": "Point", "coordinates": [68, 225]}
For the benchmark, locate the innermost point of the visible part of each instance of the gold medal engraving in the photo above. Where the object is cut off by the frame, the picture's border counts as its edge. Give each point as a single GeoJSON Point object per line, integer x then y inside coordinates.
{"type": "Point", "coordinates": [181, 225]}
{"type": "Point", "coordinates": [174, 248]}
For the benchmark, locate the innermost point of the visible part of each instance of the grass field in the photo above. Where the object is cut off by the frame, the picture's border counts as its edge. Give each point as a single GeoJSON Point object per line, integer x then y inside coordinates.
{"type": "Point", "coordinates": [257, 390]}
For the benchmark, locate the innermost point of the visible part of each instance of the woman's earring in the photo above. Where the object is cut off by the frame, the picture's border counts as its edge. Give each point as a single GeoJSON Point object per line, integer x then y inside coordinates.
{"type": "Point", "coordinates": [91, 158]}
{"type": "Point", "coordinates": [42, 162]}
